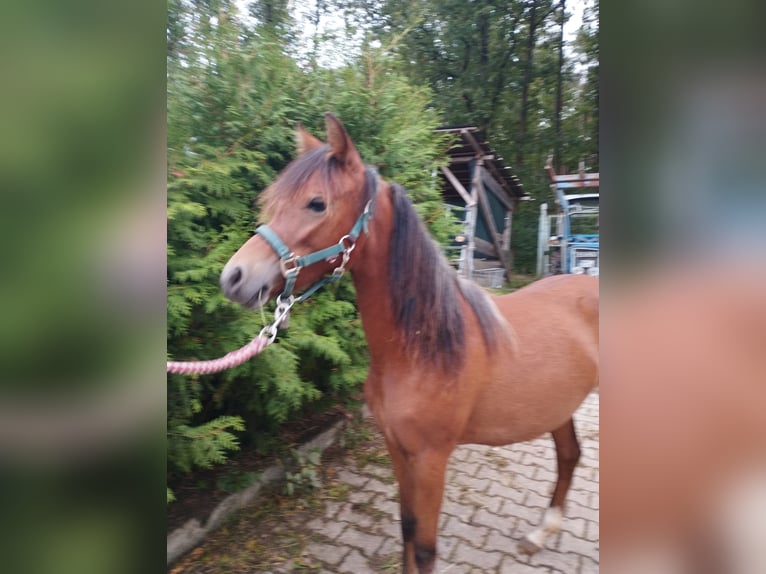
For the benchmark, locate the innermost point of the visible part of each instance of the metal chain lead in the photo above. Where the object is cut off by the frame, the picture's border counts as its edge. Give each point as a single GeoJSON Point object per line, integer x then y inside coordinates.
{"type": "Point", "coordinates": [290, 267]}
{"type": "Point", "coordinates": [281, 318]}
{"type": "Point", "coordinates": [347, 249]}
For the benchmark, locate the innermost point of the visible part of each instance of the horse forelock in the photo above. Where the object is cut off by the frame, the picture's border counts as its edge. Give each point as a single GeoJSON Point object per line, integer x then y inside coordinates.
{"type": "Point", "coordinates": [292, 182]}
{"type": "Point", "coordinates": [426, 294]}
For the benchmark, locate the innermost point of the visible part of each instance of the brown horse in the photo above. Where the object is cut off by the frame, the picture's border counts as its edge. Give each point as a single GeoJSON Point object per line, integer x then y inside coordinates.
{"type": "Point", "coordinates": [449, 364]}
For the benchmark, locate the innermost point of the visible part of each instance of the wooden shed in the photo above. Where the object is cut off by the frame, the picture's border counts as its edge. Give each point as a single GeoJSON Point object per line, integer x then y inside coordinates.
{"type": "Point", "coordinates": [483, 193]}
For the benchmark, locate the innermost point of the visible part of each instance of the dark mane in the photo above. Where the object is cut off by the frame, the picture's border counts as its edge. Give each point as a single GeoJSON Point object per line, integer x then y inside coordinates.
{"type": "Point", "coordinates": [427, 293]}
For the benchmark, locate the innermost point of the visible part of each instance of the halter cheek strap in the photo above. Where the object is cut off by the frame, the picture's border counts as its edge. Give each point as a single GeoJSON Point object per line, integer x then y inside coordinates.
{"type": "Point", "coordinates": [291, 264]}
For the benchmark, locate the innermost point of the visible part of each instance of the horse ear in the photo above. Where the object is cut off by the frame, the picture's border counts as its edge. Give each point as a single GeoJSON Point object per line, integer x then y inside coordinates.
{"type": "Point", "coordinates": [341, 146]}
{"type": "Point", "coordinates": [304, 141]}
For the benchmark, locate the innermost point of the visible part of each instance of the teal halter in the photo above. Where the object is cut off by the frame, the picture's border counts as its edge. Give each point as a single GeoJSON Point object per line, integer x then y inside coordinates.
{"type": "Point", "coordinates": [291, 264]}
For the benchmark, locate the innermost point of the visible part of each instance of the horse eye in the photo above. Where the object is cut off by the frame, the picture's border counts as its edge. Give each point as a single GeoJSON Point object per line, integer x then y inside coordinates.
{"type": "Point", "coordinates": [317, 204]}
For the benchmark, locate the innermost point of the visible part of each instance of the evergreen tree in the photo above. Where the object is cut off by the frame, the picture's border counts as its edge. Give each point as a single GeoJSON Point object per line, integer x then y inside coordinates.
{"type": "Point", "coordinates": [238, 85]}
{"type": "Point", "coordinates": [235, 95]}
{"type": "Point", "coordinates": [500, 65]}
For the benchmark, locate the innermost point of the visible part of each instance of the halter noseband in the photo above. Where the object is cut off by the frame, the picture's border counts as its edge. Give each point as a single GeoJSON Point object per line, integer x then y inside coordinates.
{"type": "Point", "coordinates": [291, 264]}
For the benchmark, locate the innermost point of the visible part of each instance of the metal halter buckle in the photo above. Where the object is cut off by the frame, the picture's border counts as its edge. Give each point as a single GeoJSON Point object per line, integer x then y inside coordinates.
{"type": "Point", "coordinates": [347, 249]}
{"type": "Point", "coordinates": [340, 269]}
{"type": "Point", "coordinates": [283, 306]}
{"type": "Point", "coordinates": [282, 312]}
{"type": "Point", "coordinates": [290, 265]}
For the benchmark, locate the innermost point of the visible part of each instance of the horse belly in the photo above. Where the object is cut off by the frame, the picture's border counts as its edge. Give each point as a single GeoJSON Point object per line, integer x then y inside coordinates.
{"type": "Point", "coordinates": [535, 385]}
{"type": "Point", "coordinates": [523, 399]}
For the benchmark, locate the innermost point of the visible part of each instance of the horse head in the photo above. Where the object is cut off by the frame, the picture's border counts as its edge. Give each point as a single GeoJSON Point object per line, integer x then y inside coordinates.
{"type": "Point", "coordinates": [315, 212]}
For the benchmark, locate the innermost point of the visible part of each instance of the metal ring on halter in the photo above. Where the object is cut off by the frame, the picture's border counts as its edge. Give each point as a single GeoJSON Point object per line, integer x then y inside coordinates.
{"type": "Point", "coordinates": [282, 312]}
{"type": "Point", "coordinates": [290, 265]}
{"type": "Point", "coordinates": [283, 306]}
{"type": "Point", "coordinates": [338, 272]}
{"type": "Point", "coordinates": [289, 303]}
{"type": "Point", "coordinates": [342, 243]}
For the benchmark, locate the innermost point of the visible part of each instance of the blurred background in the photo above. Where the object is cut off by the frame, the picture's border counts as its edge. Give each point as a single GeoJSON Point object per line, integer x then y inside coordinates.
{"type": "Point", "coordinates": [683, 316]}
{"type": "Point", "coordinates": [82, 296]}
{"type": "Point", "coordinates": [83, 302]}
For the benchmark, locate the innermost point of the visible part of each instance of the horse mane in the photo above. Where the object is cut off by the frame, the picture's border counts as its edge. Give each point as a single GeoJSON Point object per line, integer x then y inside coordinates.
{"type": "Point", "coordinates": [426, 290]}
{"type": "Point", "coordinates": [426, 294]}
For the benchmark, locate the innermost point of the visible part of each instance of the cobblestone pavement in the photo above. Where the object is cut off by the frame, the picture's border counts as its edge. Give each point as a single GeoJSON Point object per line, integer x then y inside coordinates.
{"type": "Point", "coordinates": [493, 497]}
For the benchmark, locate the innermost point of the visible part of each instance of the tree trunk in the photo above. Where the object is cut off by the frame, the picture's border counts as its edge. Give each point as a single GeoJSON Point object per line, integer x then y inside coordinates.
{"type": "Point", "coordinates": [559, 92]}
{"type": "Point", "coordinates": [483, 24]}
{"type": "Point", "coordinates": [524, 112]}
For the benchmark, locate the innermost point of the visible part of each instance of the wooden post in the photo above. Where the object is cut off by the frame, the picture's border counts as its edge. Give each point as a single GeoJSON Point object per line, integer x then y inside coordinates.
{"type": "Point", "coordinates": [543, 235]}
{"type": "Point", "coordinates": [486, 211]}
{"type": "Point", "coordinates": [507, 240]}
{"type": "Point", "coordinates": [492, 185]}
{"type": "Point", "coordinates": [471, 231]}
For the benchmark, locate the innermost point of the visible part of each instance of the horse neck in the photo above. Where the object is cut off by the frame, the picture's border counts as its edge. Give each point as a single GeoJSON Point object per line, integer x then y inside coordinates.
{"type": "Point", "coordinates": [371, 281]}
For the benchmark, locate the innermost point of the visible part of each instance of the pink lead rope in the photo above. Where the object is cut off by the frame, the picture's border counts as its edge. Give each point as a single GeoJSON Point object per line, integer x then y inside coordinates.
{"type": "Point", "coordinates": [226, 362]}
{"type": "Point", "coordinates": [263, 340]}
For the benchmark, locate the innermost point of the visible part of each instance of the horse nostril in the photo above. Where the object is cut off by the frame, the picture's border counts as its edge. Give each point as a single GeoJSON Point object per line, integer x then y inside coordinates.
{"type": "Point", "coordinates": [236, 277]}
{"type": "Point", "coordinates": [231, 279]}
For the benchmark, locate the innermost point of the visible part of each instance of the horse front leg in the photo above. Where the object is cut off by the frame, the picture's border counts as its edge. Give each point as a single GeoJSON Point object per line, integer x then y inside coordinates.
{"type": "Point", "coordinates": [421, 487]}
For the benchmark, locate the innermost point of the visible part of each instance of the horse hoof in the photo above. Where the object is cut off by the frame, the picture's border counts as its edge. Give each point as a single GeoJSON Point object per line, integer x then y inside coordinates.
{"type": "Point", "coordinates": [526, 546]}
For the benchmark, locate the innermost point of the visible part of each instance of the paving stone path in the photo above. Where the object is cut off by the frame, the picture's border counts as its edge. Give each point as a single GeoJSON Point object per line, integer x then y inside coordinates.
{"type": "Point", "coordinates": [493, 496]}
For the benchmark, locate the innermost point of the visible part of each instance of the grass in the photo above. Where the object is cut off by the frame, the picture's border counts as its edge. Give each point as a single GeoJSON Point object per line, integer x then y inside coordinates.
{"type": "Point", "coordinates": [368, 509]}
{"type": "Point", "coordinates": [389, 564]}
{"type": "Point", "coordinates": [372, 456]}
{"type": "Point", "coordinates": [517, 282]}
{"type": "Point", "coordinates": [338, 491]}
{"type": "Point", "coordinates": [355, 434]}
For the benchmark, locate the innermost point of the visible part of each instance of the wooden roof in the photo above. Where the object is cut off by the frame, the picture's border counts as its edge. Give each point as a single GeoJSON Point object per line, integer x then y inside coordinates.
{"type": "Point", "coordinates": [471, 144]}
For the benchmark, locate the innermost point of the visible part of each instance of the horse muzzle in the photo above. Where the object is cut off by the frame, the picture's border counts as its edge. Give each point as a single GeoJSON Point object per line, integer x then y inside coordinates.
{"type": "Point", "coordinates": [249, 285]}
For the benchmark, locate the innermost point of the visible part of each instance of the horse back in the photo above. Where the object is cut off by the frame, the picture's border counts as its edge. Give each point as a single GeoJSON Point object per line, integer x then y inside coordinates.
{"type": "Point", "coordinates": [571, 300]}
{"type": "Point", "coordinates": [555, 322]}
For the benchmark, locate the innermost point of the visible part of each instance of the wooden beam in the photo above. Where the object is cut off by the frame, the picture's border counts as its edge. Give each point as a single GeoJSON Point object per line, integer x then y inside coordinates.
{"type": "Point", "coordinates": [586, 177]}
{"type": "Point", "coordinates": [486, 247]}
{"type": "Point", "coordinates": [497, 190]}
{"type": "Point", "coordinates": [591, 178]}
{"type": "Point", "coordinates": [549, 168]}
{"type": "Point", "coordinates": [581, 184]}
{"type": "Point", "coordinates": [486, 212]}
{"type": "Point", "coordinates": [500, 177]}
{"type": "Point", "coordinates": [457, 185]}
{"type": "Point", "coordinates": [469, 136]}
{"type": "Point", "coordinates": [469, 158]}
{"type": "Point", "coordinates": [456, 129]}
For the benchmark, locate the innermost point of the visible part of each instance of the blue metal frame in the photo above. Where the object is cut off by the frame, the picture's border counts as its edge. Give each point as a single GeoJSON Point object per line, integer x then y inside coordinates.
{"type": "Point", "coordinates": [572, 242]}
